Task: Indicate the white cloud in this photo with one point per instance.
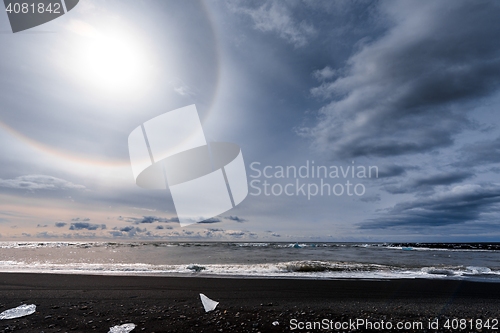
(45, 234)
(274, 16)
(325, 73)
(39, 182)
(181, 87)
(235, 233)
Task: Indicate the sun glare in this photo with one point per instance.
(112, 61)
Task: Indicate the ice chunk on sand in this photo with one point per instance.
(20, 311)
(208, 304)
(125, 328)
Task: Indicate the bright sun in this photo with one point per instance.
(113, 61)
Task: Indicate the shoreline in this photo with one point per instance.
(196, 275)
(291, 275)
(86, 303)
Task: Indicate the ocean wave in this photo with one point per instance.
(276, 245)
(480, 247)
(295, 269)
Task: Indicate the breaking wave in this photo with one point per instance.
(294, 269)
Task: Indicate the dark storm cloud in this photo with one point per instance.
(235, 218)
(442, 179)
(211, 220)
(479, 153)
(370, 198)
(392, 171)
(60, 224)
(161, 227)
(461, 204)
(85, 219)
(128, 231)
(215, 229)
(235, 233)
(427, 183)
(86, 225)
(408, 91)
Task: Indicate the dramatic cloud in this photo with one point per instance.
(408, 91)
(371, 198)
(211, 220)
(39, 182)
(161, 227)
(148, 219)
(442, 179)
(480, 153)
(276, 17)
(410, 87)
(465, 203)
(86, 225)
(391, 171)
(235, 233)
(235, 218)
(127, 231)
(427, 183)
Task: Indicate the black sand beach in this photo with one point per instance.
(79, 303)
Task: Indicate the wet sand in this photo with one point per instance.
(93, 303)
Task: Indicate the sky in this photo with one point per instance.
(316, 94)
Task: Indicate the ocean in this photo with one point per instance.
(478, 262)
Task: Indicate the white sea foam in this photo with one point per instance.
(253, 259)
(416, 247)
(294, 269)
(435, 249)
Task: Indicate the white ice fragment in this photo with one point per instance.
(275, 323)
(20, 311)
(125, 328)
(208, 304)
